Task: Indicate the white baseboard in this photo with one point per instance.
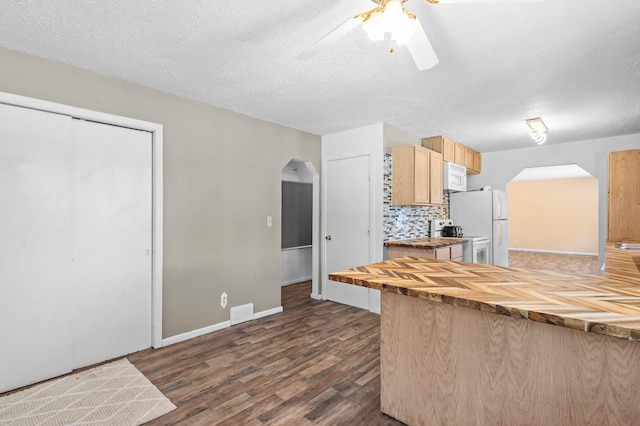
(215, 327)
(195, 333)
(295, 281)
(316, 296)
(554, 252)
(268, 312)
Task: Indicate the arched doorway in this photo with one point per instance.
(300, 225)
(553, 219)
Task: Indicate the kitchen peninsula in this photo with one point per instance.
(480, 344)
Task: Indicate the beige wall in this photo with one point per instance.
(559, 215)
(221, 181)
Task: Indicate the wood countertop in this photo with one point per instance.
(621, 263)
(602, 305)
(425, 243)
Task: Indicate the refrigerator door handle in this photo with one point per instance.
(500, 234)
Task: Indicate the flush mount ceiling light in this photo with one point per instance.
(537, 130)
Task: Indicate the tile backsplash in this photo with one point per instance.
(402, 222)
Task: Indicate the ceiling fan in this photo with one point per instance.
(390, 16)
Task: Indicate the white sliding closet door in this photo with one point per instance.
(112, 229)
(35, 246)
(75, 244)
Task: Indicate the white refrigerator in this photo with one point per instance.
(483, 213)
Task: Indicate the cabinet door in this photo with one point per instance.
(456, 251)
(421, 170)
(477, 162)
(448, 150)
(435, 178)
(402, 175)
(459, 154)
(468, 158)
(443, 253)
(624, 195)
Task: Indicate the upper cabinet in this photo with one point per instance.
(624, 195)
(416, 176)
(455, 152)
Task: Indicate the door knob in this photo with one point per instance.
(328, 237)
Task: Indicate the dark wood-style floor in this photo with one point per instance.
(318, 362)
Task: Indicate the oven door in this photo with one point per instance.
(480, 251)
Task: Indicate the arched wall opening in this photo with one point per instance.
(300, 224)
(554, 209)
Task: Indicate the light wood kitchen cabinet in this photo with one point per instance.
(435, 177)
(477, 164)
(456, 252)
(455, 152)
(468, 157)
(459, 157)
(416, 176)
(453, 252)
(443, 145)
(624, 195)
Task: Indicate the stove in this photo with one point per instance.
(437, 225)
(476, 250)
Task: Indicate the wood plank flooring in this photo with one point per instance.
(318, 362)
(568, 263)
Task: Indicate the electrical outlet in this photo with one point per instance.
(517, 241)
(223, 300)
(269, 222)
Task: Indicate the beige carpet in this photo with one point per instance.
(110, 394)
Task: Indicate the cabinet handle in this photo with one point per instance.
(328, 237)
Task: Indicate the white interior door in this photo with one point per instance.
(35, 246)
(347, 225)
(112, 230)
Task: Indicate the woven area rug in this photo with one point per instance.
(110, 394)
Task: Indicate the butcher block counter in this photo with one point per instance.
(479, 344)
(622, 259)
(432, 248)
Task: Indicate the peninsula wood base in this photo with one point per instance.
(443, 364)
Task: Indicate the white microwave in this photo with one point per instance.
(454, 177)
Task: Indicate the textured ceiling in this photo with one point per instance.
(575, 63)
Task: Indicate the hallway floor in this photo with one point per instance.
(570, 263)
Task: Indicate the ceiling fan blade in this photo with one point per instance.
(421, 50)
(330, 38)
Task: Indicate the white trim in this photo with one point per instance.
(296, 248)
(315, 232)
(295, 281)
(268, 312)
(316, 296)
(578, 253)
(195, 333)
(157, 164)
(215, 327)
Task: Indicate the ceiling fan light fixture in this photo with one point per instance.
(373, 26)
(537, 130)
(390, 17)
